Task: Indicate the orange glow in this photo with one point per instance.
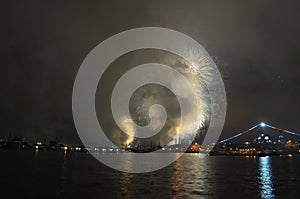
(128, 141)
(290, 155)
(195, 148)
(177, 129)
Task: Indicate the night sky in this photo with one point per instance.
(255, 44)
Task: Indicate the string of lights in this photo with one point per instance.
(262, 125)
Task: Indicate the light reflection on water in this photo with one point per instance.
(126, 182)
(265, 178)
(176, 179)
(79, 175)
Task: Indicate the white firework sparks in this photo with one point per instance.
(194, 72)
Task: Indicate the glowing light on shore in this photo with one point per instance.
(127, 123)
(177, 129)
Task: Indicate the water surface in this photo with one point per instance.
(51, 174)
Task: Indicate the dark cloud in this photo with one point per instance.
(255, 45)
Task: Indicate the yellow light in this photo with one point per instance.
(65, 148)
(39, 143)
(290, 155)
(177, 129)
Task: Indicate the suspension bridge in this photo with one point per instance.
(260, 125)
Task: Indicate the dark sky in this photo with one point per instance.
(255, 45)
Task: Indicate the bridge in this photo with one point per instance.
(260, 125)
